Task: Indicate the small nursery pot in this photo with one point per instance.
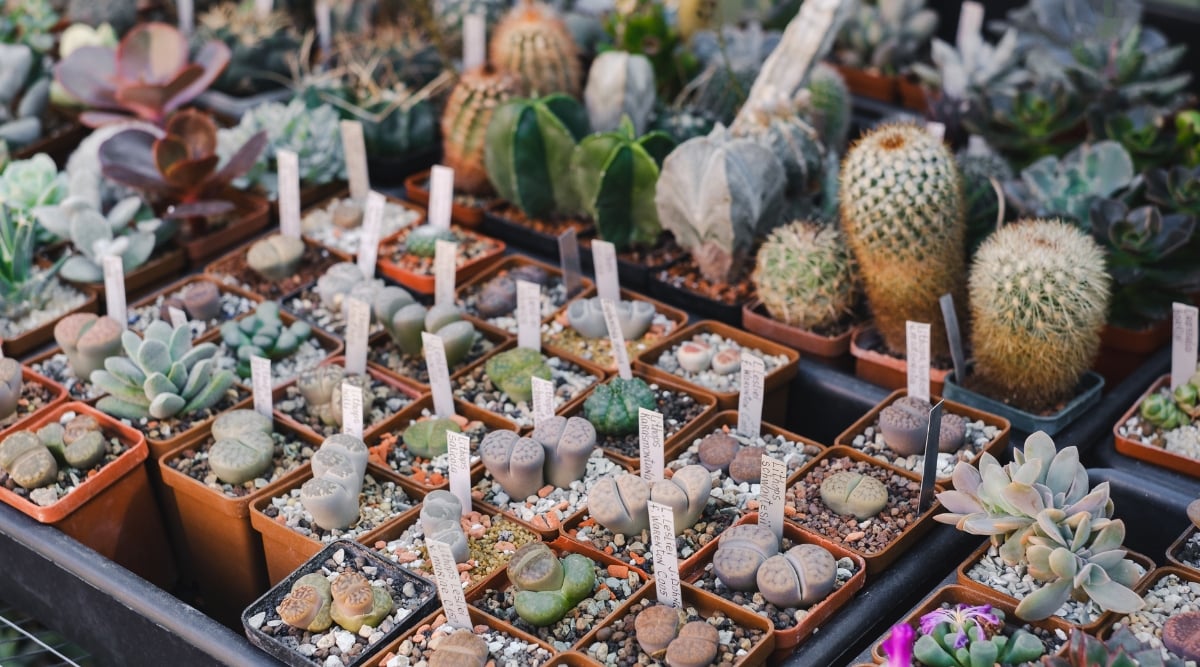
(22, 345)
(333, 347)
(510, 224)
(830, 350)
(57, 395)
(1123, 350)
(1159, 456)
(330, 197)
(266, 605)
(997, 447)
(232, 269)
(1175, 551)
(508, 263)
(112, 511)
(869, 84)
(381, 342)
(885, 370)
(634, 349)
(423, 281)
(729, 419)
(1187, 576)
(786, 640)
(250, 217)
(1087, 394)
(572, 659)
(682, 285)
(416, 190)
(477, 618)
(775, 384)
(211, 333)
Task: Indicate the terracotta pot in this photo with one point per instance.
(423, 282)
(57, 395)
(1188, 575)
(20, 346)
(42, 357)
(912, 94)
(729, 419)
(997, 447)
(253, 214)
(382, 341)
(901, 543)
(113, 511)
(1157, 455)
(828, 350)
(1104, 621)
(572, 659)
(869, 84)
(1123, 351)
(775, 384)
(509, 263)
(416, 190)
(232, 269)
(681, 284)
(678, 318)
(1173, 552)
(211, 333)
(887, 371)
(787, 640)
(477, 618)
(954, 595)
(224, 550)
(344, 193)
(59, 144)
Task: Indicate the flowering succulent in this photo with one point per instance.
(970, 636)
(898, 646)
(295, 127)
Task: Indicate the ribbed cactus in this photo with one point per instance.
(805, 275)
(528, 155)
(620, 85)
(902, 211)
(979, 165)
(534, 44)
(1039, 297)
(826, 103)
(773, 123)
(465, 122)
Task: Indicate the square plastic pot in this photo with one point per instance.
(477, 618)
(211, 333)
(227, 270)
(252, 215)
(1156, 455)
(1087, 394)
(416, 190)
(829, 350)
(423, 282)
(885, 370)
(1174, 555)
(634, 349)
(57, 395)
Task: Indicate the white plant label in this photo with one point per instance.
(368, 246)
(358, 325)
(604, 257)
(114, 288)
(445, 573)
(445, 259)
(355, 149)
(186, 11)
(260, 382)
(352, 410)
(936, 130)
(474, 40)
(650, 440)
(620, 354)
(458, 446)
(288, 164)
(970, 22)
(1183, 343)
(917, 343)
(568, 257)
(529, 315)
(439, 374)
(750, 399)
(178, 317)
(441, 195)
(324, 25)
(666, 558)
(770, 495)
(263, 8)
(543, 400)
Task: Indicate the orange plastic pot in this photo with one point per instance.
(416, 189)
(423, 281)
(1159, 456)
(887, 371)
(381, 341)
(343, 193)
(728, 419)
(57, 395)
(825, 349)
(869, 84)
(478, 618)
(20, 346)
(233, 269)
(505, 265)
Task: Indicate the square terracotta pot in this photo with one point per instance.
(1159, 456)
(421, 280)
(416, 189)
(346, 251)
(508, 263)
(210, 329)
(19, 347)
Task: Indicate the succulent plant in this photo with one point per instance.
(686, 493)
(800, 577)
(510, 372)
(1175, 189)
(275, 257)
(965, 70)
(88, 340)
(586, 317)
(854, 494)
(263, 334)
(344, 281)
(696, 356)
(160, 376)
(243, 448)
(548, 587)
(30, 183)
(422, 240)
(620, 85)
(1120, 650)
(907, 231)
(1163, 411)
(905, 422)
(568, 444)
(148, 75)
(661, 633)
(331, 496)
(461, 648)
(826, 104)
(682, 124)
(24, 287)
(1145, 132)
(533, 43)
(1053, 187)
(619, 503)
(498, 297)
(741, 551)
(321, 388)
(983, 170)
(295, 126)
(259, 46)
(427, 438)
(804, 275)
(642, 28)
(11, 382)
(887, 36)
(404, 319)
(1034, 339)
(127, 231)
(613, 406)
(465, 123)
(515, 463)
(24, 93)
(528, 155)
(746, 466)
(614, 175)
(441, 521)
(773, 122)
(717, 194)
(28, 22)
(201, 300)
(972, 636)
(308, 603)
(356, 603)
(729, 62)
(79, 443)
(27, 461)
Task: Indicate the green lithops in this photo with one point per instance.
(615, 174)
(357, 603)
(405, 320)
(613, 406)
(805, 277)
(1039, 299)
(308, 604)
(243, 448)
(854, 494)
(547, 587)
(528, 155)
(79, 444)
(511, 371)
(422, 241)
(427, 438)
(903, 215)
(263, 334)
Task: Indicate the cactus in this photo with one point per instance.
(259, 46)
(1039, 295)
(907, 230)
(1053, 187)
(321, 388)
(586, 317)
(615, 174)
(826, 104)
(567, 444)
(331, 496)
(800, 577)
(11, 382)
(533, 43)
(717, 194)
(422, 241)
(87, 340)
(1123, 648)
(405, 320)
(161, 376)
(515, 463)
(307, 604)
(805, 276)
(854, 494)
(730, 63)
(982, 169)
(741, 551)
(528, 155)
(683, 124)
(620, 85)
(886, 36)
(296, 126)
(243, 448)
(465, 123)
(441, 514)
(613, 407)
(547, 587)
(357, 603)
(971, 636)
(510, 372)
(263, 334)
(427, 438)
(275, 257)
(774, 123)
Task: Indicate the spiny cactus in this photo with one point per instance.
(826, 103)
(465, 123)
(161, 376)
(1039, 295)
(533, 43)
(980, 167)
(804, 275)
(902, 212)
(528, 154)
(613, 407)
(260, 45)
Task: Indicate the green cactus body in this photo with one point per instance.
(511, 372)
(528, 155)
(534, 44)
(615, 175)
(804, 276)
(828, 105)
(465, 124)
(613, 407)
(982, 168)
(259, 46)
(902, 213)
(1039, 296)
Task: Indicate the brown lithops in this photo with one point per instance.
(718, 450)
(696, 646)
(202, 301)
(741, 551)
(655, 628)
(904, 424)
(78, 427)
(852, 493)
(307, 604)
(348, 214)
(516, 463)
(1181, 635)
(462, 648)
(746, 466)
(801, 577)
(357, 603)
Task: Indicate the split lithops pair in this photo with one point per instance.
(331, 496)
(32, 460)
(344, 281)
(722, 452)
(275, 257)
(315, 603)
(548, 587)
(243, 447)
(556, 452)
(696, 356)
(88, 340)
(427, 438)
(263, 334)
(748, 559)
(619, 503)
(200, 300)
(441, 521)
(854, 494)
(405, 320)
(511, 371)
(662, 633)
(904, 422)
(321, 388)
(586, 317)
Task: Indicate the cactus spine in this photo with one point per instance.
(902, 211)
(804, 275)
(1039, 298)
(535, 45)
(465, 122)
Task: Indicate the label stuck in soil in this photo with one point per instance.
(650, 441)
(620, 354)
(933, 434)
(529, 315)
(439, 374)
(262, 8)
(543, 400)
(441, 195)
(445, 574)
(458, 446)
(568, 255)
(604, 257)
(1183, 343)
(322, 13)
(368, 246)
(178, 317)
(666, 557)
(186, 11)
(114, 288)
(355, 149)
(750, 398)
(358, 326)
(444, 259)
(474, 32)
(260, 382)
(770, 495)
(917, 354)
(288, 164)
(352, 410)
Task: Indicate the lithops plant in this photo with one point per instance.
(356, 603)
(331, 496)
(696, 356)
(619, 503)
(662, 634)
(275, 257)
(547, 587)
(686, 493)
(515, 463)
(343, 281)
(27, 461)
(243, 448)
(465, 122)
(405, 320)
(620, 85)
(263, 334)
(568, 443)
(511, 371)
(805, 277)
(78, 444)
(427, 438)
(586, 317)
(613, 406)
(441, 514)
(88, 340)
(718, 450)
(321, 388)
(202, 301)
(462, 648)
(307, 604)
(741, 551)
(854, 494)
(499, 296)
(746, 466)
(800, 577)
(11, 382)
(530, 143)
(533, 43)
(904, 422)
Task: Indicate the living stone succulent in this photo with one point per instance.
(613, 406)
(343, 281)
(800, 577)
(404, 319)
(548, 587)
(32, 460)
(686, 493)
(27, 461)
(533, 43)
(619, 503)
(321, 388)
(243, 448)
(904, 422)
(586, 317)
(307, 604)
(656, 627)
(275, 257)
(567, 443)
(499, 296)
(88, 340)
(746, 466)
(263, 334)
(11, 382)
(461, 648)
(202, 301)
(160, 376)
(696, 356)
(718, 450)
(662, 634)
(515, 463)
(79, 443)
(357, 603)
(465, 121)
(422, 241)
(854, 494)
(427, 438)
(804, 275)
(511, 371)
(331, 496)
(441, 514)
(741, 551)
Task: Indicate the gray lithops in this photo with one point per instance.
(275, 257)
(331, 496)
(405, 321)
(342, 279)
(11, 382)
(321, 388)
(515, 463)
(800, 577)
(687, 493)
(567, 443)
(441, 521)
(852, 493)
(243, 448)
(619, 503)
(904, 424)
(741, 551)
(586, 317)
(27, 461)
(746, 466)
(88, 340)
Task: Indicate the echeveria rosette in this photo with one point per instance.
(27, 184)
(1143, 131)
(1175, 189)
(898, 647)
(1024, 117)
(1065, 188)
(296, 127)
(28, 22)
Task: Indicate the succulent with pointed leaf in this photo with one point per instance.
(887, 35)
(24, 287)
(1027, 115)
(1122, 649)
(96, 236)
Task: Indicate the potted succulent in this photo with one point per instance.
(579, 330)
(25, 393)
(324, 304)
(205, 302)
(259, 48)
(1158, 428)
(336, 223)
(84, 341)
(293, 346)
(515, 647)
(312, 403)
(1185, 552)
(274, 266)
(490, 298)
(878, 42)
(407, 256)
(1170, 632)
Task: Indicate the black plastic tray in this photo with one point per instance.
(543, 246)
(702, 306)
(390, 171)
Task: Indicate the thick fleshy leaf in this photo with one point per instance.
(1031, 472)
(1061, 473)
(243, 160)
(1024, 498)
(128, 158)
(1111, 537)
(169, 151)
(151, 53)
(1109, 560)
(213, 57)
(958, 502)
(1093, 503)
(1050, 528)
(1043, 602)
(1039, 446)
(966, 478)
(88, 74)
(995, 525)
(196, 130)
(101, 118)
(1063, 563)
(149, 101)
(200, 209)
(1110, 595)
(1083, 532)
(192, 175)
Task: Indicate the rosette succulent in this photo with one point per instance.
(305, 130)
(28, 184)
(28, 22)
(1054, 187)
(887, 35)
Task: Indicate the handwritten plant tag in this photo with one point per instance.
(543, 400)
(568, 257)
(474, 40)
(439, 374)
(260, 381)
(620, 353)
(114, 288)
(529, 315)
(1183, 343)
(771, 494)
(288, 164)
(750, 399)
(355, 149)
(358, 326)
(666, 557)
(445, 264)
(458, 446)
(445, 574)
(368, 246)
(604, 257)
(650, 441)
(441, 196)
(352, 409)
(917, 354)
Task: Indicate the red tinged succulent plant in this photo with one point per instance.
(147, 76)
(178, 167)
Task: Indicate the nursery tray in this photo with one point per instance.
(522, 236)
(1088, 394)
(392, 170)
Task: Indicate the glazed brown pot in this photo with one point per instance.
(1156, 455)
(509, 263)
(227, 270)
(869, 84)
(1122, 351)
(887, 371)
(634, 349)
(477, 618)
(21, 346)
(423, 282)
(416, 189)
(252, 215)
(829, 350)
(57, 395)
(997, 447)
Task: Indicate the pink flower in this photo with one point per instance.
(898, 646)
(961, 619)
